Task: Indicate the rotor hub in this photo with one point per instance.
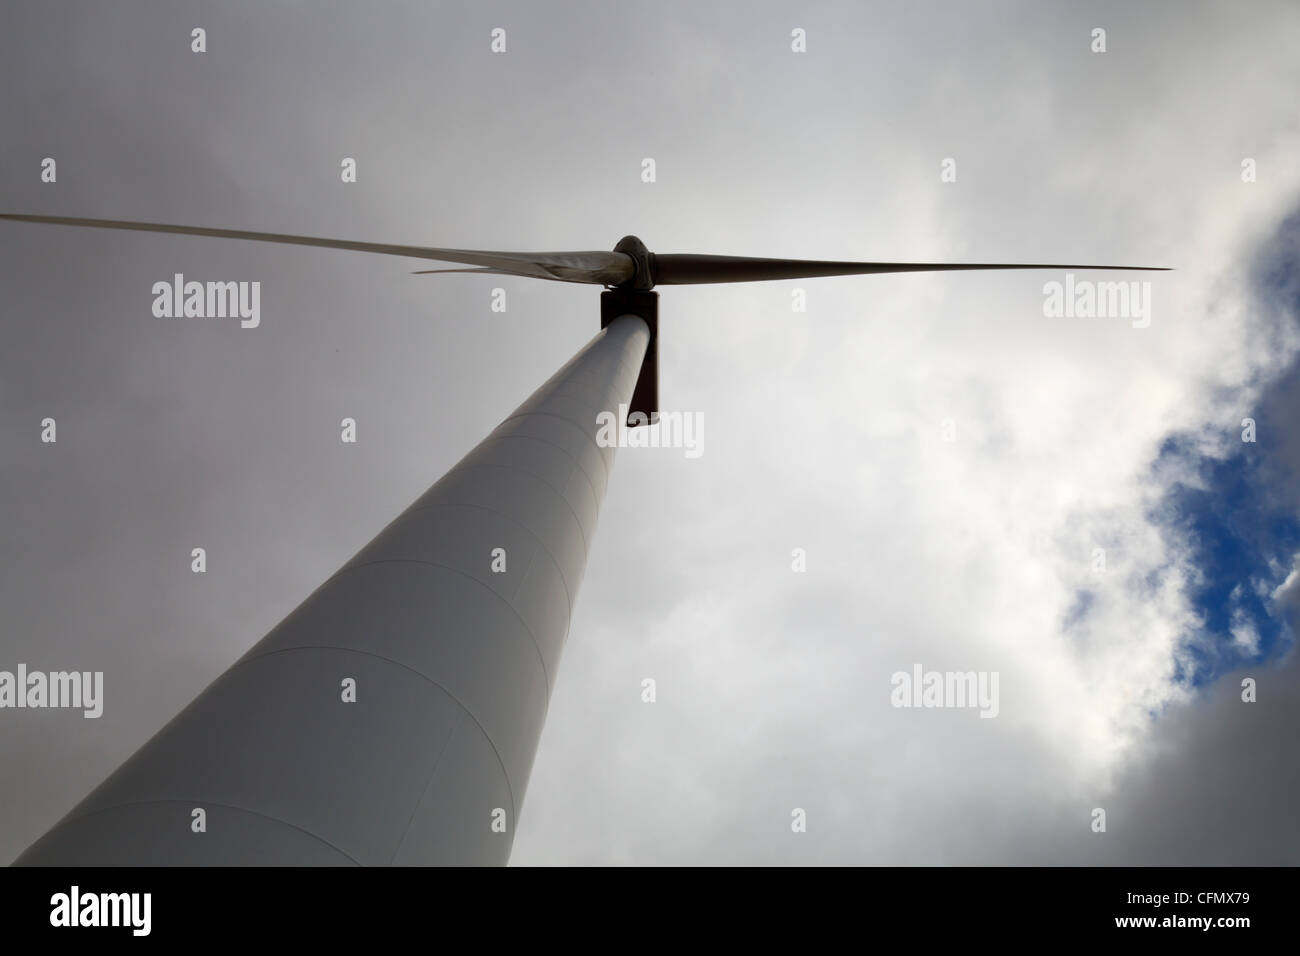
(642, 258)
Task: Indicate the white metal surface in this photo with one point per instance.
(453, 666)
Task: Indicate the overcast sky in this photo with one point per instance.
(1120, 688)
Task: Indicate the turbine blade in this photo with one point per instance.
(692, 269)
(597, 268)
(481, 270)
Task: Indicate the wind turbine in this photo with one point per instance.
(392, 718)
